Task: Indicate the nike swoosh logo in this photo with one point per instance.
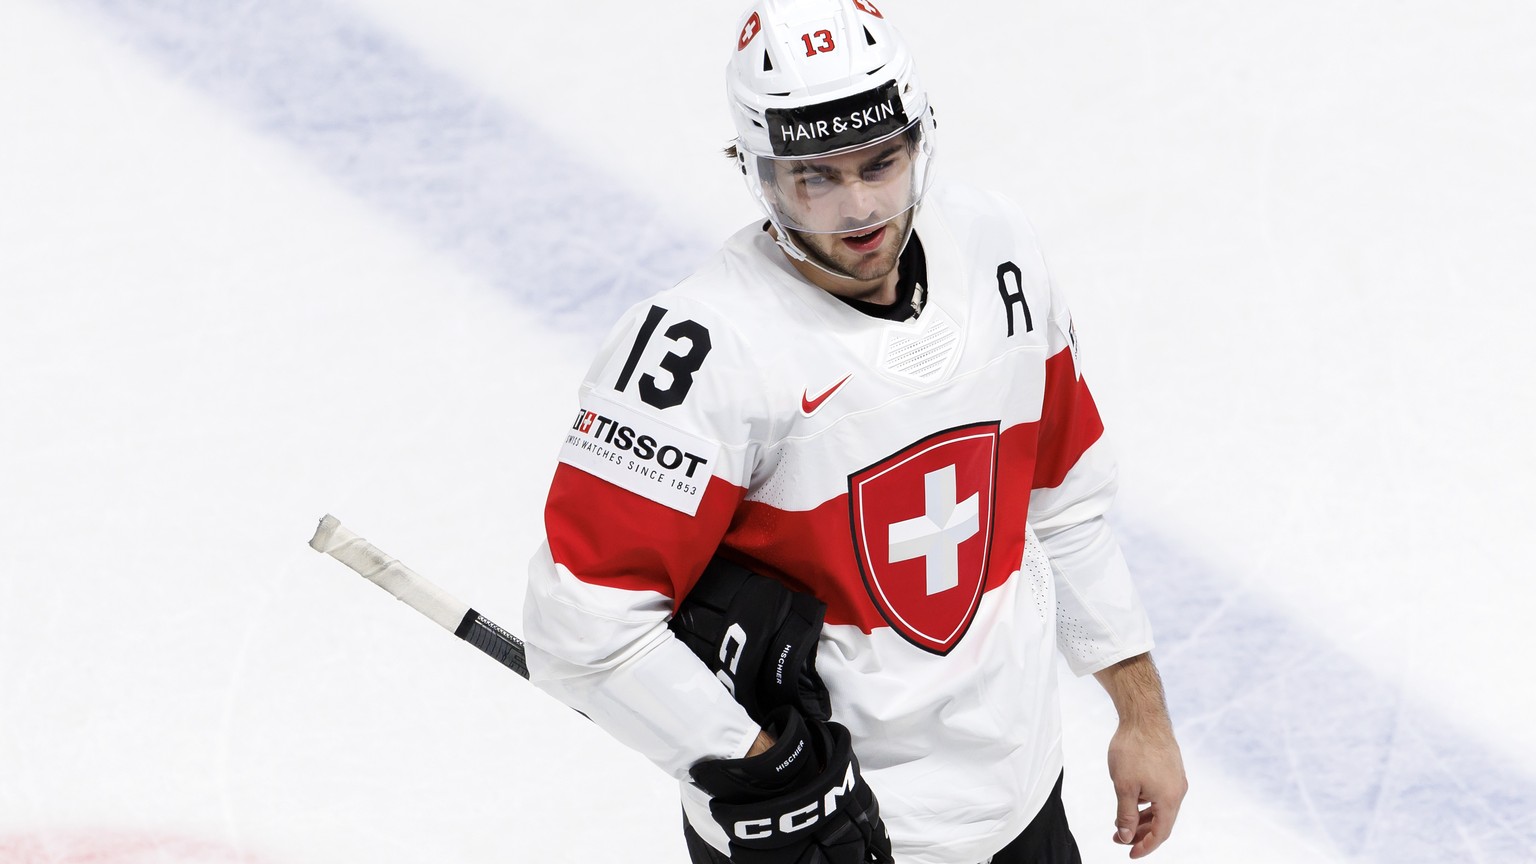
(809, 404)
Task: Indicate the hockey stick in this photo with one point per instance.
(419, 593)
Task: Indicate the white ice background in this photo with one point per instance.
(268, 259)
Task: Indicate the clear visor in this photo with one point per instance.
(849, 191)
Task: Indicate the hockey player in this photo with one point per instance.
(868, 412)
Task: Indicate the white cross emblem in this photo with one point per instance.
(936, 535)
(748, 32)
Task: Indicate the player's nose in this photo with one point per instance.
(858, 204)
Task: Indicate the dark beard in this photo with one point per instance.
(814, 252)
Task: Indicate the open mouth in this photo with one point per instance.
(866, 242)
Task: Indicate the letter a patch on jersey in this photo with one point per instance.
(922, 524)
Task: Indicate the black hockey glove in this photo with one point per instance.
(758, 637)
(801, 802)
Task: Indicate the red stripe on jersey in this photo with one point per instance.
(1069, 422)
(812, 550)
(609, 536)
(808, 550)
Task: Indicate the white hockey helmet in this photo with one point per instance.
(834, 131)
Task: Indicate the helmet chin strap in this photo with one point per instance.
(786, 242)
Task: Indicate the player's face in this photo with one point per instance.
(850, 212)
(845, 193)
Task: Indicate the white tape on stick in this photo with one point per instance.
(333, 538)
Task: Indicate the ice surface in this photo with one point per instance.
(262, 261)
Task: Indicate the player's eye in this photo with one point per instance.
(814, 183)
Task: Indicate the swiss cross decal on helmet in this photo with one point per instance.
(812, 81)
(749, 32)
(868, 7)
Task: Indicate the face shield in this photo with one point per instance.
(848, 190)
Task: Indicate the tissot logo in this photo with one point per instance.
(598, 430)
(922, 523)
(631, 448)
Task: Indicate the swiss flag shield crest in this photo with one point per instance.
(922, 525)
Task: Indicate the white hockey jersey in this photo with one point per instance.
(939, 483)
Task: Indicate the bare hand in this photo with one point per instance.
(1148, 774)
(1144, 761)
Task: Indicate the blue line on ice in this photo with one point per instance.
(1330, 746)
(472, 177)
(1333, 748)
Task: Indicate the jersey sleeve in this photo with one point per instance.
(651, 470)
(1100, 617)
